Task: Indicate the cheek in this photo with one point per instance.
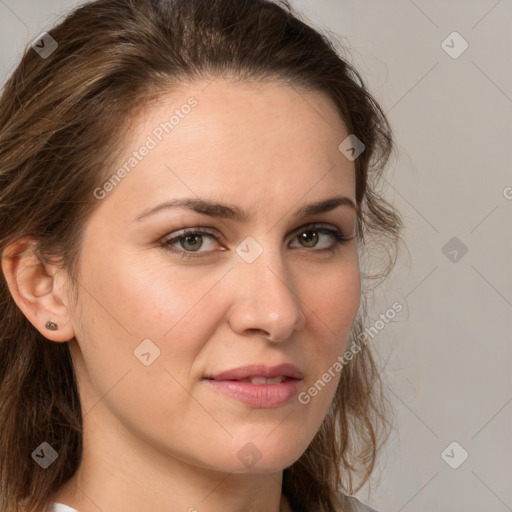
(128, 303)
(143, 296)
(133, 301)
(336, 299)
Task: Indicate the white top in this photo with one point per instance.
(60, 507)
(358, 506)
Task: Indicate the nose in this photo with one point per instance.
(265, 300)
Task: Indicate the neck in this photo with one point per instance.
(137, 478)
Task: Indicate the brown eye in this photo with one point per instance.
(190, 242)
(311, 241)
(309, 237)
(194, 244)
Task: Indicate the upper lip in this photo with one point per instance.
(258, 370)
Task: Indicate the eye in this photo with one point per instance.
(310, 236)
(191, 240)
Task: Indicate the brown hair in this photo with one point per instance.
(60, 118)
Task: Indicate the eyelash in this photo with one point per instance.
(339, 237)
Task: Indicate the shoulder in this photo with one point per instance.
(352, 504)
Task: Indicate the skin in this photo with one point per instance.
(157, 437)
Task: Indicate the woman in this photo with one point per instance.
(187, 191)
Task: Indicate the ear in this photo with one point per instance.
(39, 290)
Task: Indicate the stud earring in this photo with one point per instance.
(51, 325)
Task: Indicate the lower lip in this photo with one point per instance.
(258, 396)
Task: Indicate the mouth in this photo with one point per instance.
(257, 386)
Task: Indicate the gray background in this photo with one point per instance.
(448, 353)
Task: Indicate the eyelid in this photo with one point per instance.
(215, 234)
(191, 230)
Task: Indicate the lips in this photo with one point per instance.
(259, 374)
(258, 386)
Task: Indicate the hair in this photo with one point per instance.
(63, 122)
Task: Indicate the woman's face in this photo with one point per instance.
(157, 314)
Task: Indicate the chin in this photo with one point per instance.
(260, 454)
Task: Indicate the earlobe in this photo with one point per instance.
(39, 290)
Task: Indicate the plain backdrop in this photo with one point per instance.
(441, 70)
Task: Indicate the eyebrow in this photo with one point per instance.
(233, 212)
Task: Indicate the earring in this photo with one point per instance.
(51, 325)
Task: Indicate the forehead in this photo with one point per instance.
(234, 140)
(244, 115)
